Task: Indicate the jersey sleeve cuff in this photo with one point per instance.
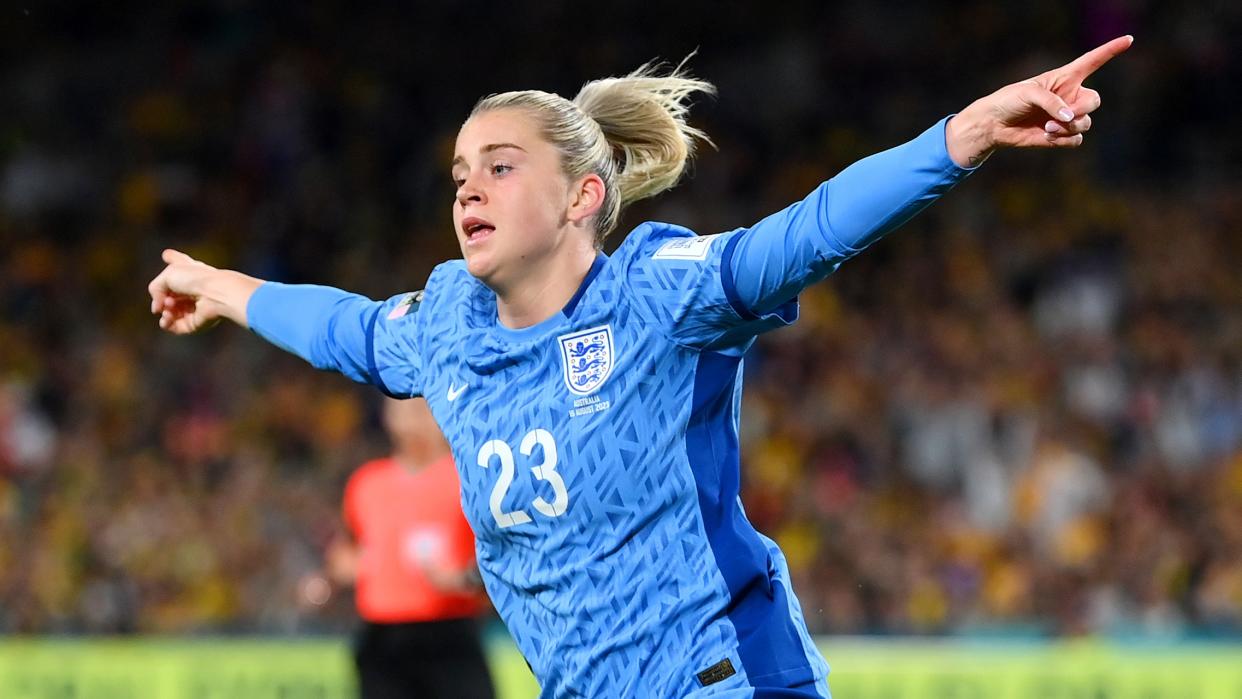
(263, 316)
(949, 167)
(785, 314)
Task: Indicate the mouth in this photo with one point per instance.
(476, 230)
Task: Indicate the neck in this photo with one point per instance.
(416, 457)
(545, 289)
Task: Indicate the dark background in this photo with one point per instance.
(1020, 414)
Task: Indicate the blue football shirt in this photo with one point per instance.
(598, 449)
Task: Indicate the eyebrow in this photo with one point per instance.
(488, 149)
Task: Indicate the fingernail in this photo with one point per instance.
(1065, 114)
(1051, 127)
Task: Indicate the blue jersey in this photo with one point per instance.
(598, 449)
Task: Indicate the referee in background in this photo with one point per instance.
(410, 557)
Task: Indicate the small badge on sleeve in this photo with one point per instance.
(685, 248)
(719, 672)
(405, 305)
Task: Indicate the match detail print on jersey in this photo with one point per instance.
(587, 356)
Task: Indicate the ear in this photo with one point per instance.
(586, 197)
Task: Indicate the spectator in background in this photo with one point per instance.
(107, 467)
(411, 561)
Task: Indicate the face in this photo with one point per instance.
(512, 197)
(410, 421)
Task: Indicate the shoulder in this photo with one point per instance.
(450, 272)
(445, 470)
(650, 238)
(445, 463)
(448, 284)
(667, 244)
(447, 281)
(368, 473)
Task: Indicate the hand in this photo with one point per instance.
(342, 559)
(189, 295)
(1052, 109)
(462, 582)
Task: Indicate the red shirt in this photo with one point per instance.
(402, 522)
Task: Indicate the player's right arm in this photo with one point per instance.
(189, 295)
(330, 328)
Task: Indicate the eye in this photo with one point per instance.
(499, 169)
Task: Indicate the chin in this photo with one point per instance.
(480, 267)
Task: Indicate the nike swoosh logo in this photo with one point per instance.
(455, 391)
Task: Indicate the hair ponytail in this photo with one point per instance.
(643, 118)
(631, 131)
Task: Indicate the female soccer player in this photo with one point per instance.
(591, 401)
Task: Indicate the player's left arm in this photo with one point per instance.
(796, 247)
(342, 556)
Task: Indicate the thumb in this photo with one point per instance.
(1048, 101)
(171, 256)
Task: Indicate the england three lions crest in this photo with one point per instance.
(588, 359)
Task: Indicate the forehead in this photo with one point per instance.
(497, 126)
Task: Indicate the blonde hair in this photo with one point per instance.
(631, 131)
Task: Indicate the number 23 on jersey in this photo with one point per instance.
(546, 471)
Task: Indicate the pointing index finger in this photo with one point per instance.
(1091, 61)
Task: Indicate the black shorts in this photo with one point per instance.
(422, 659)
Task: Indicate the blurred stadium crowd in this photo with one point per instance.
(1022, 413)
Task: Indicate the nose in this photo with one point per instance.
(469, 192)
